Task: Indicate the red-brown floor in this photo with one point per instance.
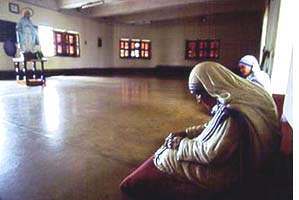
(78, 137)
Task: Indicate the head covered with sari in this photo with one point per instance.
(240, 95)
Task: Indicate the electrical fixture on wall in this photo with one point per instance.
(99, 42)
(92, 4)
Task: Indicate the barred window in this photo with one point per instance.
(202, 49)
(134, 48)
(66, 44)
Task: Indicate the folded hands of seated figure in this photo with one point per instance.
(172, 141)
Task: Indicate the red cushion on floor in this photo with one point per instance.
(147, 182)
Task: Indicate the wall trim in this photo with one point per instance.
(7, 75)
(161, 70)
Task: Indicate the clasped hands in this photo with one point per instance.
(172, 141)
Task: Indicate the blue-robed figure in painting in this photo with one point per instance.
(27, 33)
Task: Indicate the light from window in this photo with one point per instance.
(46, 40)
(134, 48)
(284, 49)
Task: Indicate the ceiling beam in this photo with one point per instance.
(135, 6)
(70, 4)
(188, 11)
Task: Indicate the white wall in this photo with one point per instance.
(137, 32)
(89, 30)
(238, 34)
(283, 47)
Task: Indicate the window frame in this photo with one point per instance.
(202, 49)
(64, 47)
(134, 48)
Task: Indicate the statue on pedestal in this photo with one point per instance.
(28, 37)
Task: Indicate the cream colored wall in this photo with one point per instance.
(239, 34)
(89, 30)
(137, 32)
(167, 43)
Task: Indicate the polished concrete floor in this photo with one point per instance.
(78, 137)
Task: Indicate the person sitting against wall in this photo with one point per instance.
(238, 142)
(250, 69)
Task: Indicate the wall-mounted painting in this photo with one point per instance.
(14, 8)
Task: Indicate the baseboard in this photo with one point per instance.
(177, 71)
(7, 75)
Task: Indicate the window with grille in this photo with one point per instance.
(202, 49)
(134, 48)
(66, 44)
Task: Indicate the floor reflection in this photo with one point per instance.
(2, 128)
(134, 91)
(78, 137)
(51, 108)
